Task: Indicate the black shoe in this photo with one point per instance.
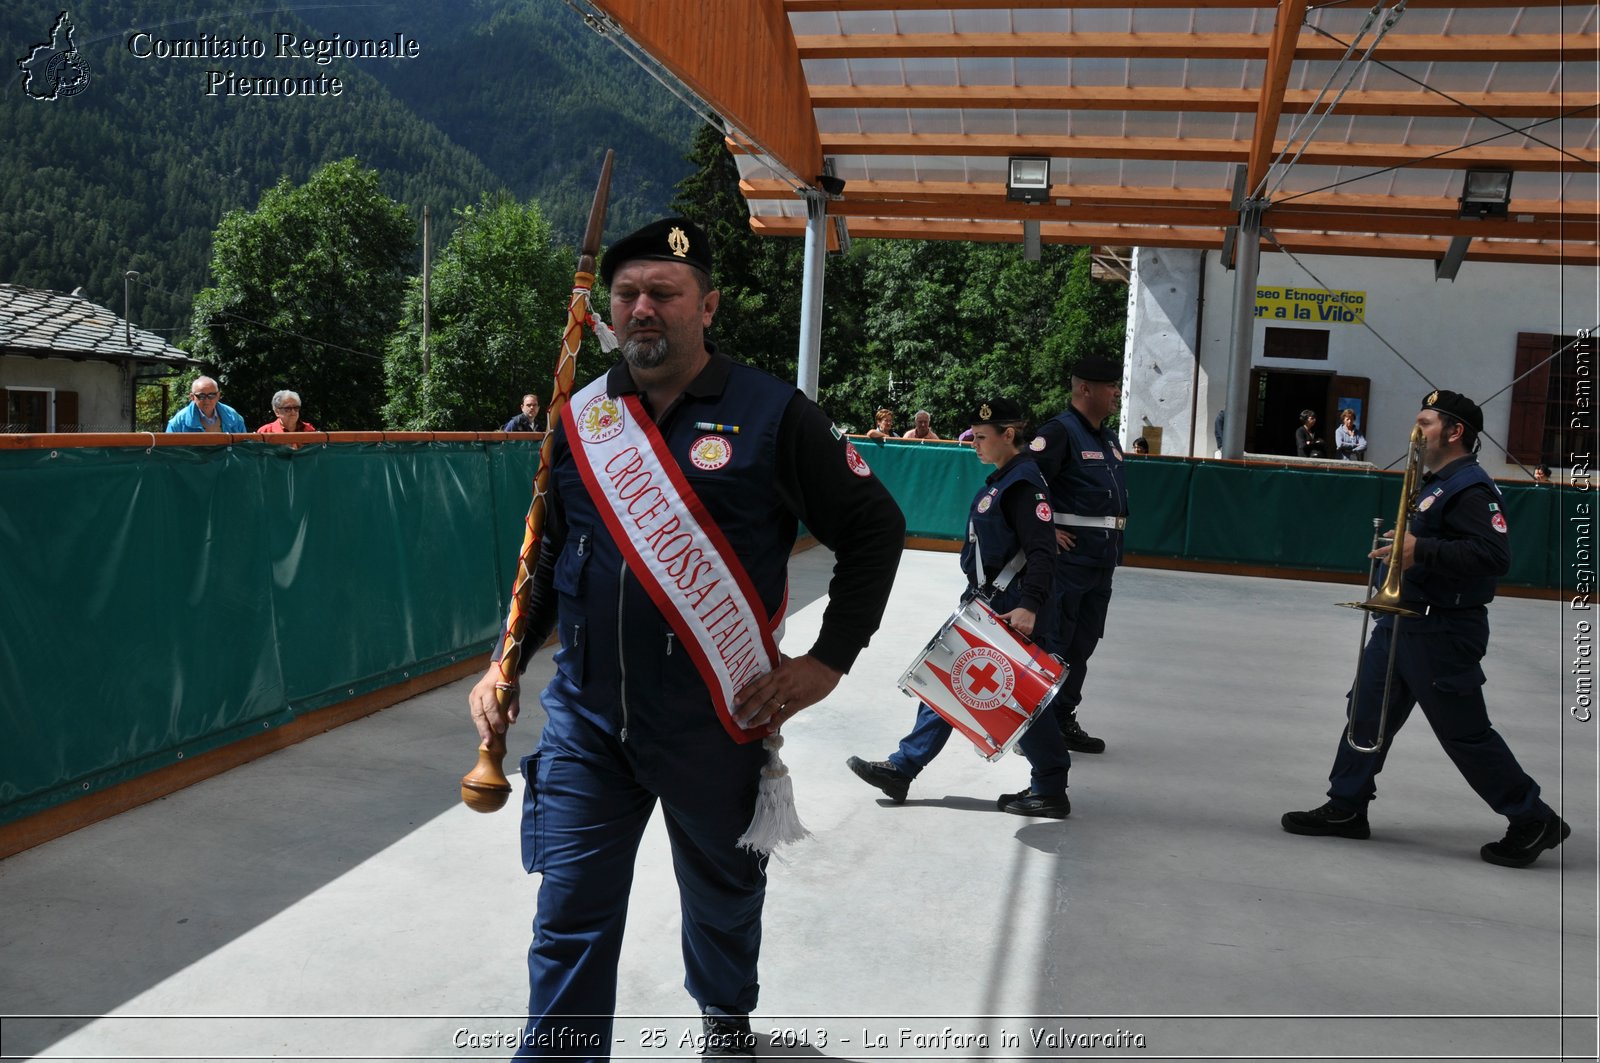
(1028, 803)
(1078, 740)
(885, 776)
(724, 1035)
(1328, 821)
(1525, 841)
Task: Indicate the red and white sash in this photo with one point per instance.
(672, 545)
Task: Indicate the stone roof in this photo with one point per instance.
(44, 324)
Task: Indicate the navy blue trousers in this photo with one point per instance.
(1437, 667)
(1042, 744)
(1079, 598)
(587, 800)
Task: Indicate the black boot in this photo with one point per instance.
(1328, 821)
(1078, 740)
(1525, 841)
(885, 776)
(727, 1035)
(1028, 803)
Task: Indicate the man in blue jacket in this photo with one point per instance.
(205, 413)
(1456, 546)
(1082, 462)
(677, 482)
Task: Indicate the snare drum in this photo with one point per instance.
(984, 678)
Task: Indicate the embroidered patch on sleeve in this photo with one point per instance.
(858, 465)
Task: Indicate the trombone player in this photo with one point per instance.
(1452, 552)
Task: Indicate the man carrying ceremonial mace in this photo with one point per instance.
(676, 483)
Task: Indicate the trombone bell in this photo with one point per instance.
(1384, 604)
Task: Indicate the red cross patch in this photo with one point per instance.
(857, 463)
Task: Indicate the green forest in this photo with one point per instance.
(278, 239)
(136, 171)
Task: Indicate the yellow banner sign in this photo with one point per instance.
(1311, 304)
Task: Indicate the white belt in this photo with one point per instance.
(1072, 520)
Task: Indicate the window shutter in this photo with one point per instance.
(67, 411)
(1525, 438)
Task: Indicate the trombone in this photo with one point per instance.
(1387, 598)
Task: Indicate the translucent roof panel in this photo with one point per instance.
(1144, 108)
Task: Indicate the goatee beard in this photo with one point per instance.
(641, 354)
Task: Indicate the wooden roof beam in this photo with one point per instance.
(1210, 100)
(1170, 215)
(712, 46)
(1269, 104)
(1397, 47)
(1533, 253)
(810, 6)
(934, 197)
(1206, 149)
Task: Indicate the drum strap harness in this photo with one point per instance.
(1003, 578)
(685, 563)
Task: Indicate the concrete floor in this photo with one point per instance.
(335, 900)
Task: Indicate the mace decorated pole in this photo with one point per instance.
(485, 788)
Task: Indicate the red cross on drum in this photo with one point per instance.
(985, 679)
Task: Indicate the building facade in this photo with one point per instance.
(1374, 335)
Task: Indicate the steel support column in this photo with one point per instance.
(1247, 269)
(811, 293)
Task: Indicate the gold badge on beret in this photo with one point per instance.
(678, 241)
(1432, 398)
(985, 412)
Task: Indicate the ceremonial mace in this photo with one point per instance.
(485, 788)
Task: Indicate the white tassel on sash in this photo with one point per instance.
(776, 823)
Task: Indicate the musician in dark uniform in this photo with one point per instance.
(1456, 546)
(1083, 465)
(664, 568)
(1008, 556)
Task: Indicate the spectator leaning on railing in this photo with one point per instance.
(921, 427)
(205, 413)
(286, 404)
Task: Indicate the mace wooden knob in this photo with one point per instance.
(485, 788)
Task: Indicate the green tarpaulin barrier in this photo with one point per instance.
(159, 602)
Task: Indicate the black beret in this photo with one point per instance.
(996, 411)
(1456, 405)
(1097, 370)
(667, 240)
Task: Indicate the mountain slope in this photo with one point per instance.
(135, 171)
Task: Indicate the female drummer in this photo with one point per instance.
(1009, 517)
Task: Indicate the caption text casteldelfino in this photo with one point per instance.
(321, 51)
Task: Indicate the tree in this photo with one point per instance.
(908, 324)
(499, 297)
(953, 323)
(307, 289)
(758, 318)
